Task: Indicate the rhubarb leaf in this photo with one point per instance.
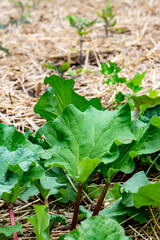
(40, 222)
(132, 186)
(12, 139)
(7, 232)
(60, 95)
(99, 227)
(148, 195)
(147, 142)
(84, 139)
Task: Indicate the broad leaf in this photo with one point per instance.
(12, 139)
(99, 227)
(149, 113)
(21, 159)
(132, 186)
(7, 232)
(148, 195)
(87, 138)
(60, 95)
(28, 192)
(147, 142)
(143, 102)
(48, 186)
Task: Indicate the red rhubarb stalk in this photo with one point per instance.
(76, 210)
(11, 213)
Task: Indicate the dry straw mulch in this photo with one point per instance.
(50, 38)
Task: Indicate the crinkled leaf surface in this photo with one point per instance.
(48, 186)
(6, 232)
(147, 142)
(55, 99)
(12, 139)
(66, 193)
(97, 228)
(28, 192)
(87, 138)
(21, 159)
(148, 195)
(25, 164)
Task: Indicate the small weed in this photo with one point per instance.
(108, 17)
(83, 28)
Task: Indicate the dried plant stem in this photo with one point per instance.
(100, 201)
(11, 213)
(78, 200)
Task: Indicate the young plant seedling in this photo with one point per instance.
(108, 17)
(83, 28)
(110, 71)
(43, 222)
(58, 69)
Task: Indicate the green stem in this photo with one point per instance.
(76, 210)
(111, 96)
(152, 164)
(81, 55)
(101, 199)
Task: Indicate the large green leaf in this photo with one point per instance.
(149, 113)
(7, 232)
(48, 186)
(85, 139)
(12, 139)
(132, 186)
(47, 132)
(25, 164)
(97, 228)
(147, 142)
(143, 102)
(148, 195)
(55, 99)
(21, 159)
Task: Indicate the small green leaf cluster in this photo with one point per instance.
(59, 69)
(83, 27)
(110, 71)
(108, 16)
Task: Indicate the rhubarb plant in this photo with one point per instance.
(43, 222)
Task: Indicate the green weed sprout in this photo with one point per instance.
(110, 71)
(83, 28)
(4, 49)
(108, 17)
(58, 69)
